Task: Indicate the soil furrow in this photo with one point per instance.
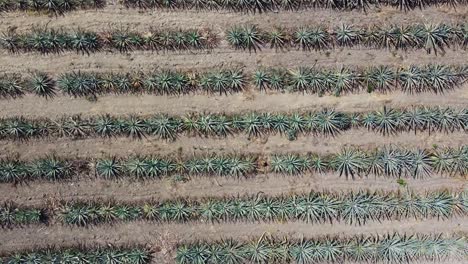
(162, 238)
(240, 144)
(247, 101)
(128, 190)
(117, 15)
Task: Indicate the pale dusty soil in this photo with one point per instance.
(220, 57)
(241, 102)
(128, 190)
(161, 237)
(239, 144)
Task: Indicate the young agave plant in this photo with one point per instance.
(316, 38)
(11, 86)
(109, 168)
(347, 36)
(42, 85)
(85, 42)
(278, 38)
(435, 37)
(11, 41)
(125, 41)
(350, 162)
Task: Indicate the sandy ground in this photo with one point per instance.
(161, 237)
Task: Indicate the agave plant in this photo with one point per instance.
(42, 85)
(347, 36)
(11, 86)
(435, 37)
(350, 162)
(109, 168)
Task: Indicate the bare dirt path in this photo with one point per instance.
(240, 144)
(223, 56)
(128, 190)
(247, 101)
(162, 238)
(117, 15)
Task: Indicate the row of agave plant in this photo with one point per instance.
(124, 40)
(161, 82)
(103, 255)
(392, 248)
(327, 122)
(12, 215)
(411, 79)
(276, 5)
(349, 162)
(54, 7)
(430, 37)
(354, 208)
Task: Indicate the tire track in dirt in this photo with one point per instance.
(163, 238)
(241, 102)
(239, 144)
(142, 20)
(128, 190)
